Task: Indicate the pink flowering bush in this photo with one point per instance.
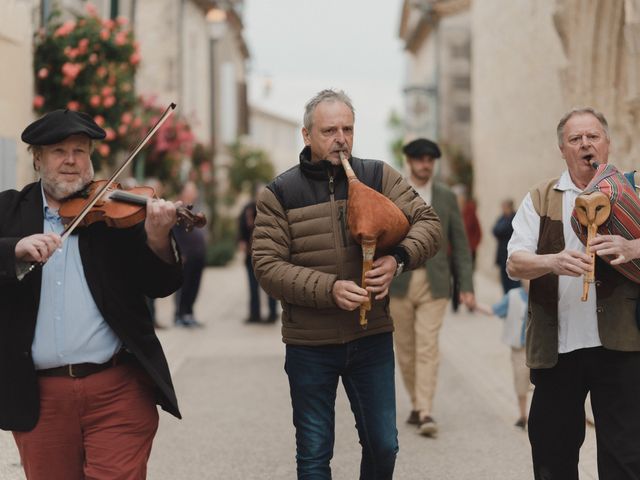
(88, 64)
(166, 151)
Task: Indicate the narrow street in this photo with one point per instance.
(233, 394)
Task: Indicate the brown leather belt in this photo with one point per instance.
(81, 370)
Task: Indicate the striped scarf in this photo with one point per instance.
(625, 213)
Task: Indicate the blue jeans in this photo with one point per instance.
(366, 366)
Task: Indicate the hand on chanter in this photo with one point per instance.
(570, 262)
(348, 295)
(379, 278)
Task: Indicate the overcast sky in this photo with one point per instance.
(304, 46)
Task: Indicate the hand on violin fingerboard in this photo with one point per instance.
(161, 217)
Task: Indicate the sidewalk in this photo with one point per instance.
(233, 394)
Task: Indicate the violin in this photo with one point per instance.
(120, 216)
(120, 208)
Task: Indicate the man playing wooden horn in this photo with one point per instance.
(576, 347)
(419, 299)
(304, 255)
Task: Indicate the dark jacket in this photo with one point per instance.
(301, 246)
(438, 268)
(120, 270)
(503, 230)
(246, 223)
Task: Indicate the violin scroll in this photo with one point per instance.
(188, 219)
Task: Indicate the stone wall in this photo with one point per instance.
(517, 102)
(157, 27)
(196, 74)
(276, 135)
(16, 85)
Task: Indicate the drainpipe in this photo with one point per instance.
(180, 65)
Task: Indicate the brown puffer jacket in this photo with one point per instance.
(301, 246)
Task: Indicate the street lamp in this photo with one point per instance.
(217, 20)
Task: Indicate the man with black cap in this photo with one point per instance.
(419, 298)
(81, 369)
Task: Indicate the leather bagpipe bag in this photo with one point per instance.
(625, 213)
(372, 216)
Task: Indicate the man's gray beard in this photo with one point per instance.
(62, 190)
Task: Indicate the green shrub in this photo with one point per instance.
(220, 253)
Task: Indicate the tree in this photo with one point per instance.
(166, 151)
(249, 167)
(461, 168)
(396, 126)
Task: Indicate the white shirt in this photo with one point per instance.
(577, 320)
(425, 191)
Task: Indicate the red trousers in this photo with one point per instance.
(93, 428)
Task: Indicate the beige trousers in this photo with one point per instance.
(417, 319)
(520, 371)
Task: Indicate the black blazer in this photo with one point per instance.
(120, 269)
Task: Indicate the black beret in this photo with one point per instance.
(55, 126)
(421, 147)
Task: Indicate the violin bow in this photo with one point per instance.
(23, 268)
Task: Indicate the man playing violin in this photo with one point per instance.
(81, 369)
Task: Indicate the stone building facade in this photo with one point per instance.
(193, 52)
(533, 61)
(517, 102)
(279, 136)
(437, 39)
(16, 84)
(540, 59)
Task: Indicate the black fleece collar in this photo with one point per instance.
(321, 170)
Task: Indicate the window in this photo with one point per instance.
(461, 82)
(462, 50)
(462, 114)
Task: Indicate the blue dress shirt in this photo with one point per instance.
(70, 328)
